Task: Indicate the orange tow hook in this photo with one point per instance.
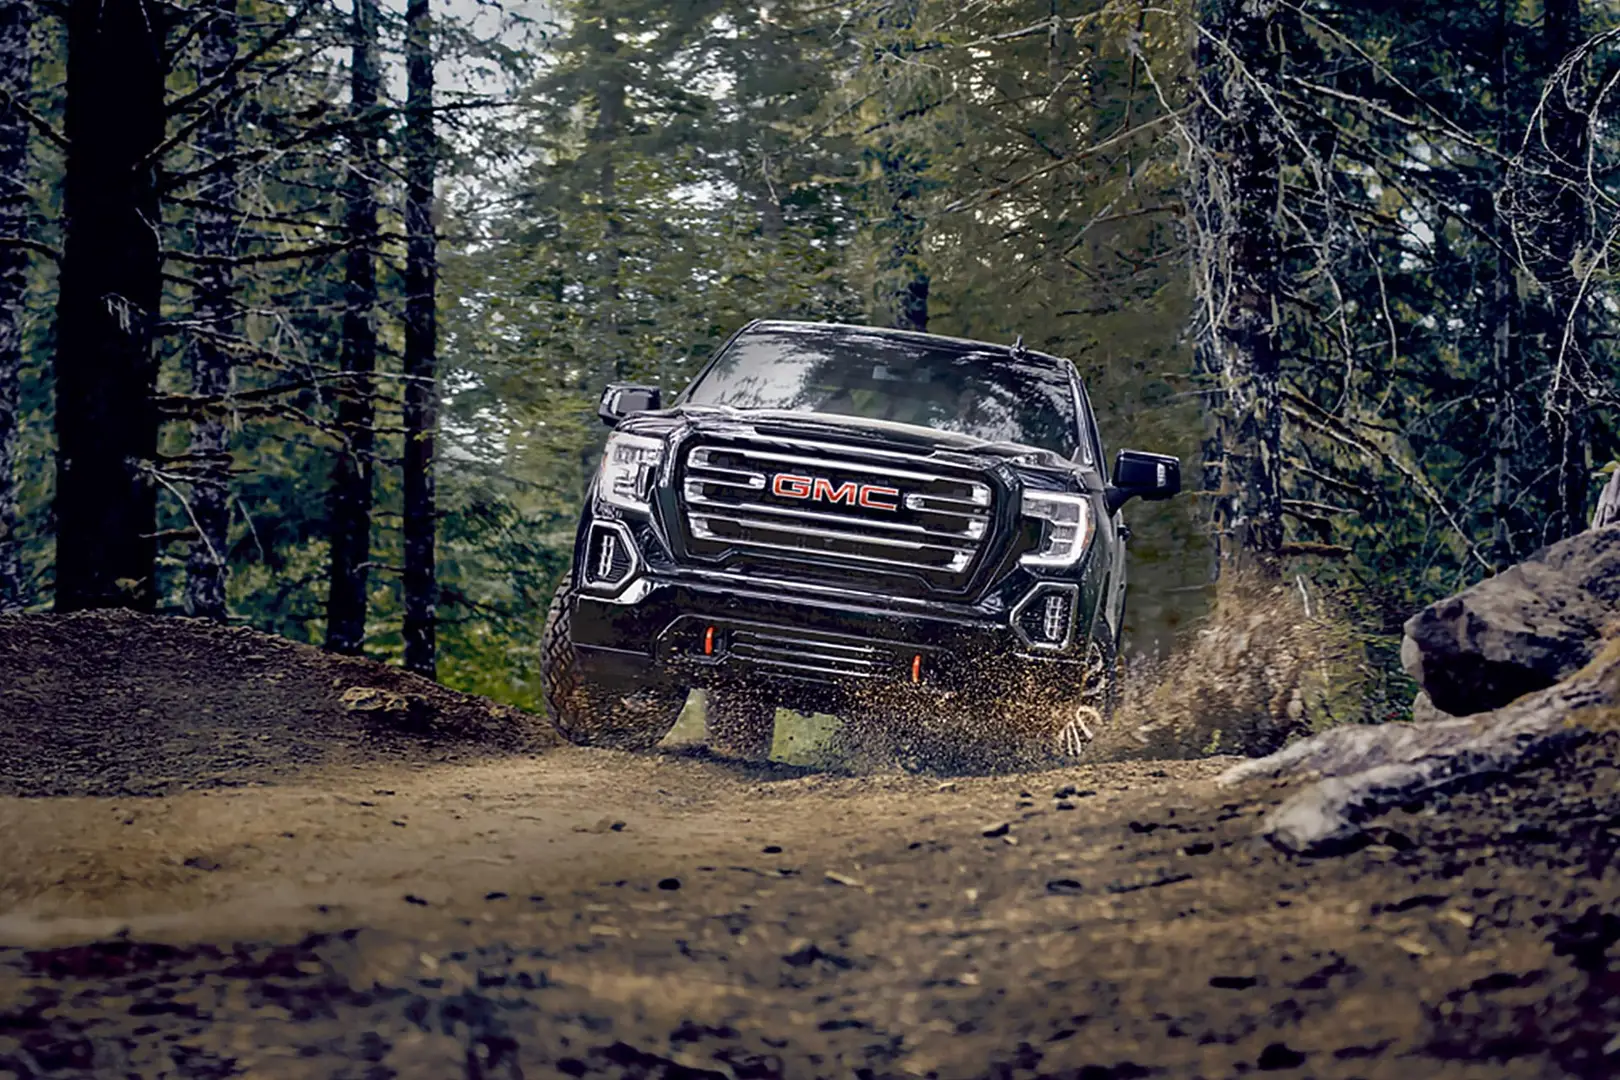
(916, 668)
(708, 642)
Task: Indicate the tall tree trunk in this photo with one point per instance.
(351, 494)
(604, 137)
(1504, 371)
(215, 310)
(901, 288)
(1566, 134)
(421, 373)
(1235, 187)
(16, 79)
(900, 282)
(106, 417)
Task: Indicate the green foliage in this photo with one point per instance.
(662, 171)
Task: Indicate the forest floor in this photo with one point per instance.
(220, 856)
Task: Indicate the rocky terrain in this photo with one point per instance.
(225, 855)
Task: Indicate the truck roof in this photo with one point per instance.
(938, 341)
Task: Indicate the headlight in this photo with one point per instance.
(1068, 529)
(625, 463)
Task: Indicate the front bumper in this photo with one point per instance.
(811, 650)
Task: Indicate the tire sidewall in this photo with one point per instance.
(588, 714)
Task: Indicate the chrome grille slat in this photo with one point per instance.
(870, 468)
(701, 482)
(925, 524)
(699, 499)
(700, 522)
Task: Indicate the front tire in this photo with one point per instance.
(587, 713)
(1091, 705)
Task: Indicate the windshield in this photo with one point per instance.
(826, 369)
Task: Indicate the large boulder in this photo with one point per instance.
(1359, 771)
(1521, 631)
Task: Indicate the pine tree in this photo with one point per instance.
(214, 316)
(421, 346)
(106, 418)
(16, 80)
(1234, 184)
(1559, 145)
(352, 477)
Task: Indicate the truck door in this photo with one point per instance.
(1112, 602)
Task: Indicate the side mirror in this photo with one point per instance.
(619, 400)
(1138, 474)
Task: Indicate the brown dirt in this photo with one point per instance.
(120, 704)
(417, 905)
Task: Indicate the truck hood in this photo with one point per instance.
(851, 430)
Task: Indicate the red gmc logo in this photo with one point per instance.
(820, 489)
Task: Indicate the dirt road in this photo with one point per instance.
(429, 909)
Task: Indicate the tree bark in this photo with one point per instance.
(1566, 337)
(351, 495)
(421, 374)
(215, 312)
(16, 79)
(106, 416)
(900, 283)
(1504, 369)
(1235, 185)
(901, 289)
(604, 137)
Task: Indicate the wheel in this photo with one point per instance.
(1091, 706)
(1030, 722)
(589, 713)
(739, 724)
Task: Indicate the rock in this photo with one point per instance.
(1278, 1056)
(1365, 769)
(1424, 710)
(1608, 504)
(1520, 631)
(999, 829)
(806, 953)
(411, 711)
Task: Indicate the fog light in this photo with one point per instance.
(1045, 618)
(610, 557)
(1053, 625)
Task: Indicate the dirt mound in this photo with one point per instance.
(114, 703)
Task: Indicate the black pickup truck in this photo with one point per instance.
(912, 531)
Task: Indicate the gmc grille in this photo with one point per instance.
(835, 509)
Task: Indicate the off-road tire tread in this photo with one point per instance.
(587, 715)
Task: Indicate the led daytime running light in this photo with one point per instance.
(624, 464)
(1068, 529)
